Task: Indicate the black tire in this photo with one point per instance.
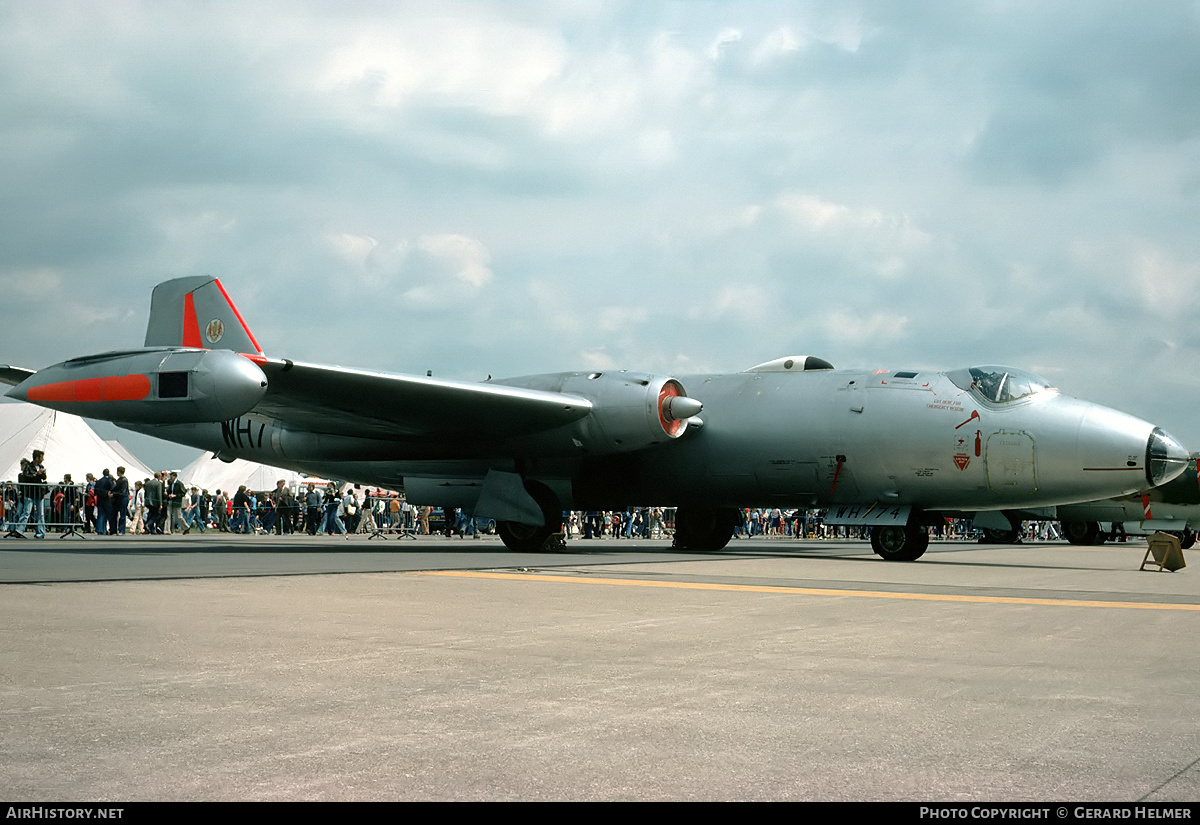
(702, 529)
(991, 535)
(527, 538)
(1083, 532)
(894, 543)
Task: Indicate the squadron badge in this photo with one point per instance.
(214, 330)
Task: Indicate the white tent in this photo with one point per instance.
(70, 445)
(130, 459)
(211, 474)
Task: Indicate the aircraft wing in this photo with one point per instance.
(347, 401)
(13, 375)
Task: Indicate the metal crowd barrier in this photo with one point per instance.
(32, 509)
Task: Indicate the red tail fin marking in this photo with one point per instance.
(191, 327)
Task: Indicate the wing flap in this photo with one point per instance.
(330, 399)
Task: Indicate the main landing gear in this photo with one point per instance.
(896, 543)
(991, 535)
(704, 529)
(1091, 533)
(526, 538)
(1083, 532)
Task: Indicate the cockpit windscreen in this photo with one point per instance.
(999, 385)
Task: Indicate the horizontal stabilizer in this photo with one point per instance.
(14, 375)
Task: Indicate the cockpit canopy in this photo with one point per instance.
(999, 385)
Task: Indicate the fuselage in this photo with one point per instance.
(796, 439)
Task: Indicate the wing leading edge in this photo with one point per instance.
(406, 407)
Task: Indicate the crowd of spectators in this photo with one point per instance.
(164, 504)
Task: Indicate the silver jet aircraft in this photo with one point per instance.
(891, 450)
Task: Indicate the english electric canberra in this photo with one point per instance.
(892, 450)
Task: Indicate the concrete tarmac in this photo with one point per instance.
(220, 667)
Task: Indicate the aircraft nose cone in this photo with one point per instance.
(1165, 457)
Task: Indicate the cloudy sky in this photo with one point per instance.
(512, 187)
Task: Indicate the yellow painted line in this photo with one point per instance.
(807, 591)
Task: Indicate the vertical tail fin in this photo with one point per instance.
(197, 312)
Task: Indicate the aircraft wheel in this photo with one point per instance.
(994, 536)
(1082, 532)
(523, 538)
(703, 530)
(527, 538)
(1187, 540)
(893, 543)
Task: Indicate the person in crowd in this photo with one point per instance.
(264, 505)
(176, 492)
(105, 524)
(312, 510)
(155, 504)
(394, 515)
(332, 502)
(89, 504)
(285, 508)
(205, 507)
(253, 525)
(33, 481)
(240, 520)
(221, 511)
(120, 501)
(191, 510)
(350, 511)
(137, 511)
(62, 504)
(10, 499)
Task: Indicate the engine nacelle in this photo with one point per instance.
(150, 386)
(630, 410)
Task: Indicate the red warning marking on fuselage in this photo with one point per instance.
(837, 471)
(962, 461)
(974, 417)
(1146, 506)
